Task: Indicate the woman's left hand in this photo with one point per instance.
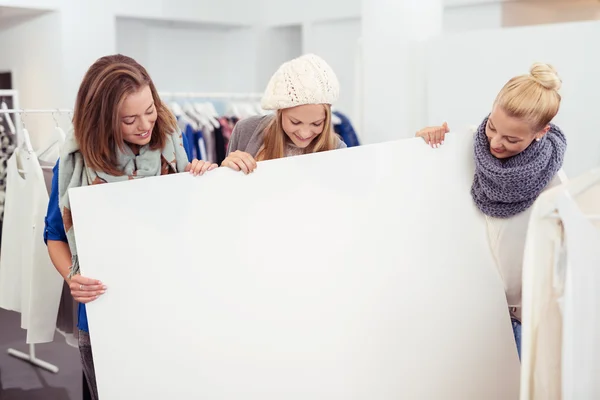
(199, 167)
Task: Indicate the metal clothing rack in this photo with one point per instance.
(29, 357)
(22, 133)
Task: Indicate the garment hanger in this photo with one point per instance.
(60, 140)
(9, 122)
(26, 139)
(176, 109)
(207, 114)
(202, 119)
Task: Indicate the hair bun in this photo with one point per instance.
(546, 76)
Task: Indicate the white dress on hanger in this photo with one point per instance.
(29, 283)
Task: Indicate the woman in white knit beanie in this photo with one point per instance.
(301, 91)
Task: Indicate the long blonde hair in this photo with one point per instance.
(533, 97)
(274, 138)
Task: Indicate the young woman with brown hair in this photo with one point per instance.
(121, 131)
(518, 154)
(301, 91)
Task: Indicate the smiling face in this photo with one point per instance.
(304, 123)
(509, 136)
(137, 117)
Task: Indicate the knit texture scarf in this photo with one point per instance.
(73, 173)
(504, 188)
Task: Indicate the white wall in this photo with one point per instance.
(473, 17)
(276, 46)
(188, 57)
(36, 67)
(476, 65)
(337, 43)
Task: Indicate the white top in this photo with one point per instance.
(506, 237)
(29, 283)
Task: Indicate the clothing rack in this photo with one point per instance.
(21, 129)
(27, 357)
(14, 94)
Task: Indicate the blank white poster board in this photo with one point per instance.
(478, 63)
(361, 273)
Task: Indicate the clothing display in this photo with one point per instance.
(505, 187)
(346, 130)
(209, 142)
(6, 149)
(247, 136)
(560, 356)
(29, 283)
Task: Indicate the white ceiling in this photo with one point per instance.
(16, 12)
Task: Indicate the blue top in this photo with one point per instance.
(55, 230)
(346, 130)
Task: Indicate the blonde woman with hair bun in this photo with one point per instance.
(518, 154)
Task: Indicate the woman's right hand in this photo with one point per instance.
(434, 135)
(240, 161)
(85, 289)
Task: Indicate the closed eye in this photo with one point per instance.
(317, 124)
(295, 122)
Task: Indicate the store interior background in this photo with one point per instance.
(402, 64)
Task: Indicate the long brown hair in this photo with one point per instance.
(105, 86)
(274, 139)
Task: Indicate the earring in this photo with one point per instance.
(537, 139)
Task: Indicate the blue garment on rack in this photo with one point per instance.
(516, 325)
(55, 229)
(346, 130)
(196, 140)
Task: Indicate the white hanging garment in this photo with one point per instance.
(541, 314)
(29, 283)
(560, 295)
(16, 209)
(581, 321)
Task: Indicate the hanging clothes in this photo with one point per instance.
(346, 130)
(6, 150)
(220, 145)
(560, 283)
(227, 125)
(29, 283)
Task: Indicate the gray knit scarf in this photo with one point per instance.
(504, 188)
(72, 173)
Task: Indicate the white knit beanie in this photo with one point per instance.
(303, 80)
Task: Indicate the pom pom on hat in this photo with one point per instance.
(304, 80)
